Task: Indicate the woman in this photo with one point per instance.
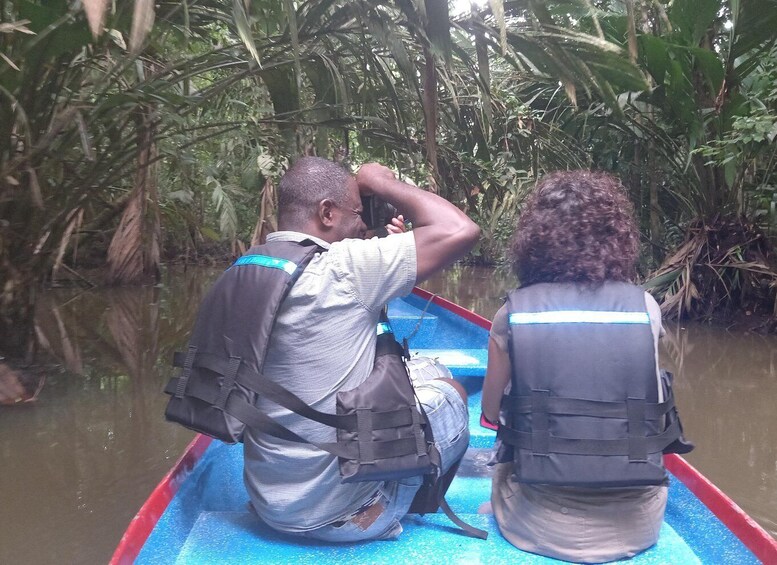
(579, 473)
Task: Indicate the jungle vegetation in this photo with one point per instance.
(133, 133)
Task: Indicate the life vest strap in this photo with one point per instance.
(187, 363)
(574, 446)
(259, 384)
(471, 531)
(257, 420)
(229, 382)
(638, 450)
(540, 434)
(581, 407)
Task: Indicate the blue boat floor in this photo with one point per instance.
(237, 537)
(223, 530)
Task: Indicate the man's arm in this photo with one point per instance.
(442, 232)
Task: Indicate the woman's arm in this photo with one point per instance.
(497, 377)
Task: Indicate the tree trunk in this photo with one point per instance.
(655, 219)
(17, 311)
(282, 86)
(631, 31)
(324, 109)
(266, 223)
(133, 255)
(430, 112)
(484, 70)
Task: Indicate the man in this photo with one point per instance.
(324, 339)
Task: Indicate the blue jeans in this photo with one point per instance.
(378, 517)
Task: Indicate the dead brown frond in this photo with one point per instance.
(74, 220)
(134, 254)
(723, 269)
(95, 14)
(266, 223)
(133, 320)
(17, 386)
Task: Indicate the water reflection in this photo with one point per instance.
(479, 289)
(78, 462)
(726, 386)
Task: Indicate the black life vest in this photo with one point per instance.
(583, 409)
(230, 338)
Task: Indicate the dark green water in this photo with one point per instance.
(77, 462)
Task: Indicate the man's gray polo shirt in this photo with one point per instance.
(323, 342)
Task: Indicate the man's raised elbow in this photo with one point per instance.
(468, 234)
(473, 232)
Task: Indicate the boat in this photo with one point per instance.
(199, 512)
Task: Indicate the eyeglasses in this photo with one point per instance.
(355, 211)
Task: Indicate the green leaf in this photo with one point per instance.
(438, 28)
(711, 66)
(244, 29)
(662, 280)
(772, 132)
(393, 40)
(210, 233)
(655, 54)
(680, 97)
(40, 16)
(755, 25)
(730, 171)
(182, 195)
(692, 18)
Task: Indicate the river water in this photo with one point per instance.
(79, 458)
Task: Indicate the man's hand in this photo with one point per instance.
(441, 231)
(397, 225)
(370, 175)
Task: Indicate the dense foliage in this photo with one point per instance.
(137, 131)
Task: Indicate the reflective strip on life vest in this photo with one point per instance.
(578, 317)
(265, 261)
(384, 328)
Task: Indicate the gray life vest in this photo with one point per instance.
(583, 409)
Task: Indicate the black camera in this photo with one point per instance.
(376, 213)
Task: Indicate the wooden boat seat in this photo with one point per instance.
(237, 537)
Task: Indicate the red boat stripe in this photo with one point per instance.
(144, 521)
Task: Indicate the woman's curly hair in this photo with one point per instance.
(577, 226)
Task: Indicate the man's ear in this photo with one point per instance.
(326, 212)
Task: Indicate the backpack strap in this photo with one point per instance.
(471, 531)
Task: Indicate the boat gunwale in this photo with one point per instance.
(144, 522)
(738, 522)
(747, 530)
